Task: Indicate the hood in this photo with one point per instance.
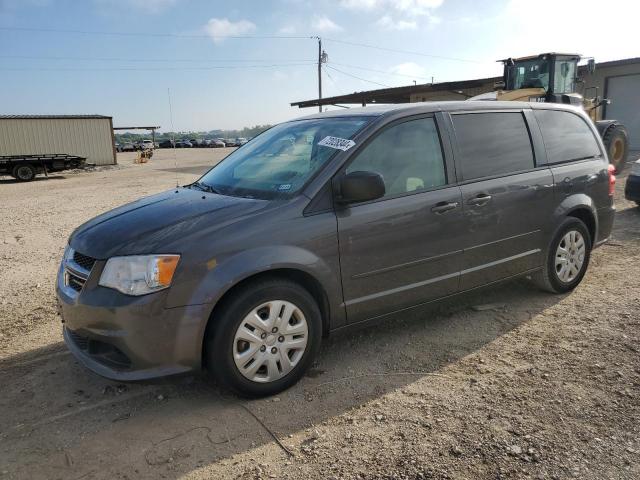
(152, 224)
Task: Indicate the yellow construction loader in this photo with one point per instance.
(553, 77)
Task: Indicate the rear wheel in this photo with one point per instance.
(24, 173)
(264, 339)
(616, 141)
(567, 258)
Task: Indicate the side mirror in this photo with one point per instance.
(360, 187)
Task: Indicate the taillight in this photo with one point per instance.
(612, 180)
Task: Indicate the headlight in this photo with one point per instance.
(68, 254)
(140, 274)
(635, 168)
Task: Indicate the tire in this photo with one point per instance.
(548, 278)
(616, 141)
(226, 354)
(24, 172)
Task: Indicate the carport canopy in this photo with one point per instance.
(458, 90)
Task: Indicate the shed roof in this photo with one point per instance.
(32, 117)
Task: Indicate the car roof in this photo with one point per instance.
(429, 107)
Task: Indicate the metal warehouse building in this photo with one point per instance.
(89, 136)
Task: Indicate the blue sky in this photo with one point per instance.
(219, 82)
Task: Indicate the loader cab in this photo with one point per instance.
(556, 73)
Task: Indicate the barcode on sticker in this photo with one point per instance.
(337, 143)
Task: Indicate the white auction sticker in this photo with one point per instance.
(337, 143)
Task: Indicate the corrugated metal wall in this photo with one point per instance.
(87, 137)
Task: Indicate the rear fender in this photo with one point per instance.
(573, 203)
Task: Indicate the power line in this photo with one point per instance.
(359, 78)
(381, 71)
(143, 60)
(213, 67)
(394, 50)
(147, 34)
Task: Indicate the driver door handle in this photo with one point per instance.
(443, 207)
(479, 200)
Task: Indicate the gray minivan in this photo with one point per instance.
(331, 221)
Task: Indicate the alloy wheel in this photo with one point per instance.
(570, 256)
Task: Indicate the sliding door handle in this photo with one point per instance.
(479, 200)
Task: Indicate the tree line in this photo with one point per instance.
(246, 132)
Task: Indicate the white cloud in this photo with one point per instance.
(388, 23)
(410, 7)
(360, 4)
(218, 28)
(416, 7)
(287, 30)
(524, 38)
(322, 23)
(410, 69)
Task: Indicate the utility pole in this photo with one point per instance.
(319, 73)
(322, 58)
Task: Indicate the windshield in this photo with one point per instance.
(529, 74)
(277, 163)
(564, 77)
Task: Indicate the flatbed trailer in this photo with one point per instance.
(25, 167)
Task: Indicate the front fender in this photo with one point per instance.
(229, 272)
(220, 275)
(603, 126)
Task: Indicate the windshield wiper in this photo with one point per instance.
(204, 187)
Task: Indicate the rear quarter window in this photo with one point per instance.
(566, 136)
(492, 144)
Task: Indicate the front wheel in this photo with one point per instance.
(567, 258)
(264, 338)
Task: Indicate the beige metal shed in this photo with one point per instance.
(89, 136)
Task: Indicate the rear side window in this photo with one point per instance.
(566, 136)
(408, 156)
(492, 144)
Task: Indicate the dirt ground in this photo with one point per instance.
(508, 382)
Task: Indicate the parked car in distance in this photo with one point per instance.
(632, 187)
(167, 144)
(184, 144)
(128, 147)
(230, 142)
(145, 145)
(366, 214)
(118, 147)
(240, 141)
(217, 144)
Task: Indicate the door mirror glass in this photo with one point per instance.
(361, 187)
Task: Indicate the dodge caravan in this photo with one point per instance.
(331, 221)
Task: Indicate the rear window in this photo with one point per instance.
(566, 136)
(492, 144)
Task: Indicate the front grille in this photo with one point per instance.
(75, 282)
(84, 261)
(81, 342)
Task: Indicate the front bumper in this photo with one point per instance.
(632, 188)
(129, 338)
